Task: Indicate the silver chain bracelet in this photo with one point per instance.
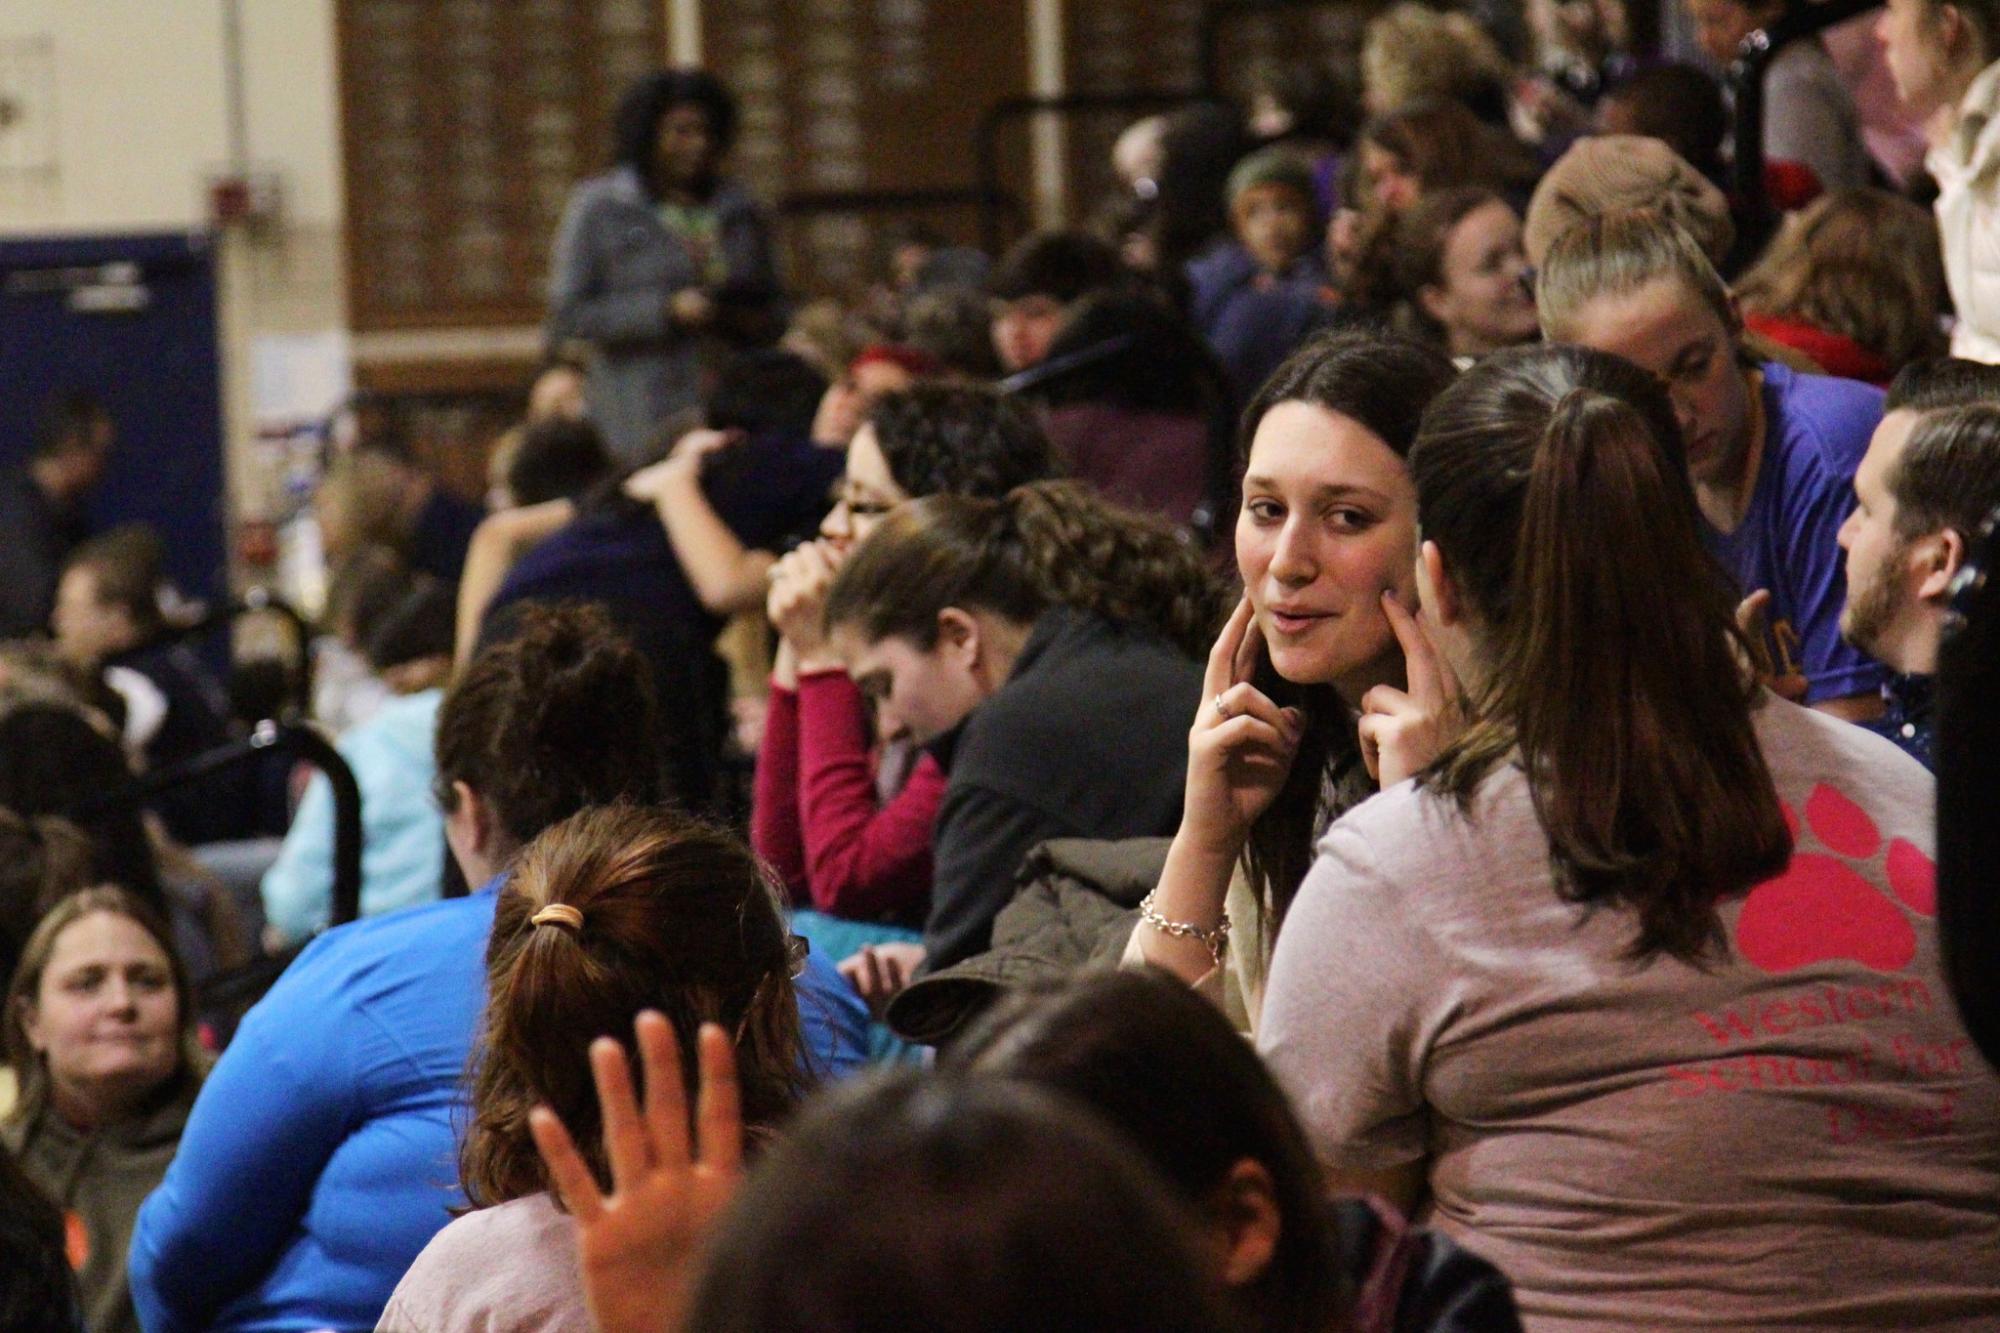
(1215, 939)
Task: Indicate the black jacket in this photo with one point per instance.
(1087, 739)
(39, 535)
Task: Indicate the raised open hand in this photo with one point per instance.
(1241, 746)
(640, 1243)
(1403, 730)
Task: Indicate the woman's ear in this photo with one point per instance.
(469, 824)
(1434, 585)
(31, 1024)
(1952, 25)
(958, 636)
(1244, 1208)
(1431, 299)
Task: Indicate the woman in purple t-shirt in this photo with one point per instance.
(1771, 453)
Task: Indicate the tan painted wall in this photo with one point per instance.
(140, 122)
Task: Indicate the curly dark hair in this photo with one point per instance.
(635, 131)
(550, 721)
(1052, 544)
(946, 439)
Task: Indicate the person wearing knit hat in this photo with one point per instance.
(1614, 172)
(1274, 208)
(1259, 297)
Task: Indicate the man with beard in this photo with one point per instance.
(1931, 474)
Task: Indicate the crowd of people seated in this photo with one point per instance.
(1349, 746)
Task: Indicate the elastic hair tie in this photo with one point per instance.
(558, 914)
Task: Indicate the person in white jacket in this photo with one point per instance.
(1945, 59)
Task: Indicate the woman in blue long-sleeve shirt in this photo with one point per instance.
(319, 1159)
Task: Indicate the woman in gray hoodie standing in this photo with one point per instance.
(661, 261)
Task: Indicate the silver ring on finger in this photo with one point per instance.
(1221, 708)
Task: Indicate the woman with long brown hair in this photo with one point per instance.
(617, 910)
(1575, 980)
(1326, 541)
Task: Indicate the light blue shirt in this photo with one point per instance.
(402, 831)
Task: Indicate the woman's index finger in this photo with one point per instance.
(1221, 673)
(1249, 649)
(719, 1107)
(1420, 662)
(574, 1184)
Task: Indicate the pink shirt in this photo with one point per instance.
(816, 816)
(511, 1268)
(1799, 1136)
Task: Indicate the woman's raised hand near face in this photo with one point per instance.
(1402, 731)
(639, 1245)
(1241, 746)
(797, 602)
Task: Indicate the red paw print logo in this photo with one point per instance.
(1822, 908)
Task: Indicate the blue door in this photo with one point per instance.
(131, 319)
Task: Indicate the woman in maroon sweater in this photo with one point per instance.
(839, 810)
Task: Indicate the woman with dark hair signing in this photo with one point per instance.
(1640, 976)
(1326, 542)
(660, 257)
(614, 911)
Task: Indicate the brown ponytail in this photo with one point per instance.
(1049, 544)
(615, 910)
(1552, 481)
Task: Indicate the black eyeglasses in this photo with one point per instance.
(864, 508)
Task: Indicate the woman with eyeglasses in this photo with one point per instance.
(843, 816)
